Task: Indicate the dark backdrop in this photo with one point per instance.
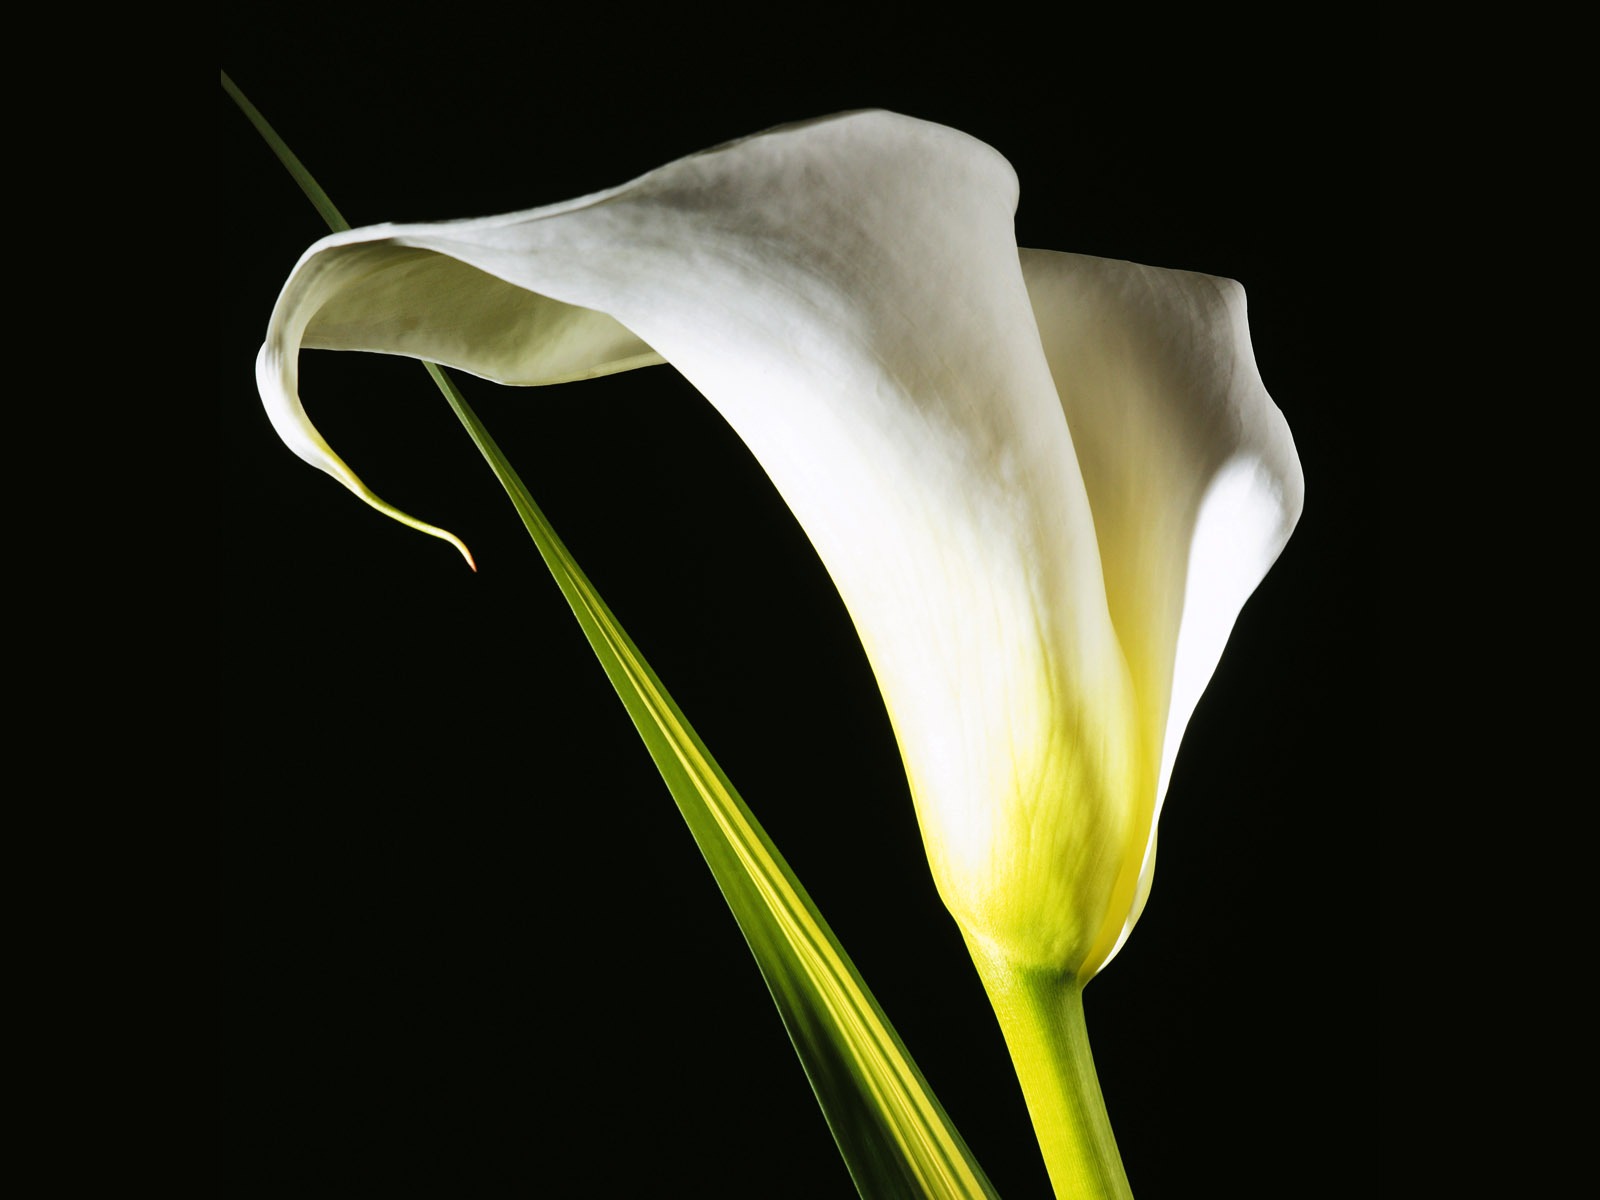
(467, 940)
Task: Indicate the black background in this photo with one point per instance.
(467, 940)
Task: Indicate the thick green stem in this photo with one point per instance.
(1041, 1015)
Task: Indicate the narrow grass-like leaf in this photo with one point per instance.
(297, 170)
(895, 1137)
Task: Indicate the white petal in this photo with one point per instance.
(847, 293)
(1189, 466)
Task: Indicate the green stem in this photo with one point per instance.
(1041, 1015)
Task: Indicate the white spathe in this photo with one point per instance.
(1043, 483)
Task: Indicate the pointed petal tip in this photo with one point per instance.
(405, 518)
(276, 379)
(444, 535)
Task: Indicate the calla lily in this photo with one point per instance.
(1044, 484)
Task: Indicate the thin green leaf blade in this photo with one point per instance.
(895, 1137)
(291, 163)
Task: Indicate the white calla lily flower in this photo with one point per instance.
(1044, 484)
